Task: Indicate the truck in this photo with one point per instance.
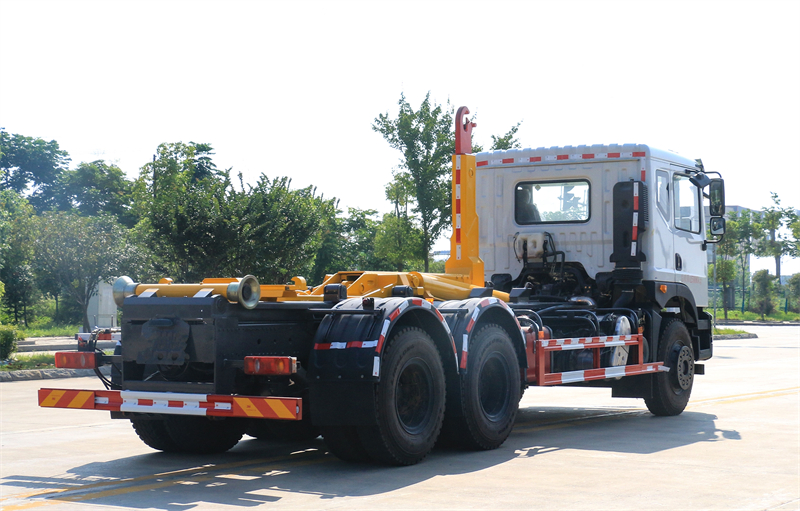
(571, 266)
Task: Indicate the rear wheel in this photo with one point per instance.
(491, 389)
(409, 400)
(154, 433)
(672, 389)
(201, 435)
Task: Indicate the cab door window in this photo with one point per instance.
(686, 204)
(662, 193)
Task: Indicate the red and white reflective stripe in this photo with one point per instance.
(344, 345)
(419, 302)
(578, 343)
(602, 373)
(562, 157)
(464, 350)
(173, 403)
(458, 207)
(635, 228)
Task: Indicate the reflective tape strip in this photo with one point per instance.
(382, 337)
(561, 157)
(57, 398)
(261, 408)
(376, 366)
(573, 343)
(173, 403)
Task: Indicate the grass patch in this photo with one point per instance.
(50, 331)
(35, 361)
(728, 331)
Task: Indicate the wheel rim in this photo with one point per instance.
(414, 396)
(493, 389)
(684, 369)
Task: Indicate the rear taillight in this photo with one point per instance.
(76, 360)
(270, 365)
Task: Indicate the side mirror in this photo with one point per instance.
(716, 196)
(717, 226)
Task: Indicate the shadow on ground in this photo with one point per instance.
(257, 472)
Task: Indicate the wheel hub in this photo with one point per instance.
(414, 396)
(684, 368)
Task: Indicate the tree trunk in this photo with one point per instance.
(724, 299)
(778, 270)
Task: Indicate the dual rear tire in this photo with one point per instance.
(410, 400)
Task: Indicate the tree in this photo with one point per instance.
(79, 252)
(793, 288)
(27, 161)
(400, 242)
(426, 139)
(94, 188)
(198, 228)
(16, 254)
(726, 273)
(764, 286)
(771, 242)
(507, 141)
(348, 244)
(741, 231)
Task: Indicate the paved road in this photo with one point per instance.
(736, 447)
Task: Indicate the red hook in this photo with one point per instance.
(463, 131)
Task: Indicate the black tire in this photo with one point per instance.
(201, 435)
(154, 433)
(344, 443)
(672, 389)
(491, 389)
(409, 400)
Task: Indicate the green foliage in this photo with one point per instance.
(764, 287)
(400, 242)
(95, 188)
(8, 341)
(17, 255)
(27, 161)
(507, 141)
(79, 252)
(793, 290)
(348, 244)
(197, 227)
(770, 241)
(426, 139)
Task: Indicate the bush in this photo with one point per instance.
(8, 341)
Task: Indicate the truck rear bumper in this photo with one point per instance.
(171, 403)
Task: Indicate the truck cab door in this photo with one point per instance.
(690, 260)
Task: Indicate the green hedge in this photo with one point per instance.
(8, 341)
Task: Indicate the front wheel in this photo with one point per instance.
(672, 389)
(409, 400)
